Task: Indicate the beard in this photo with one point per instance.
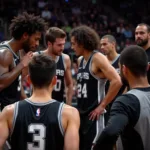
(56, 53)
(26, 46)
(142, 42)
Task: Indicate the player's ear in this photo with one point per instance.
(25, 36)
(54, 80)
(29, 79)
(49, 43)
(125, 69)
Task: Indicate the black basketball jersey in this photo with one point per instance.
(148, 54)
(11, 93)
(116, 66)
(58, 92)
(115, 63)
(37, 126)
(90, 89)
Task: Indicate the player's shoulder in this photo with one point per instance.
(38, 52)
(127, 99)
(70, 111)
(65, 56)
(6, 57)
(99, 58)
(9, 110)
(67, 61)
(79, 59)
(98, 55)
(4, 51)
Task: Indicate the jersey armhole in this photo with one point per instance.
(63, 60)
(60, 118)
(14, 117)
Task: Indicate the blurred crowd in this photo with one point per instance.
(68, 14)
(105, 17)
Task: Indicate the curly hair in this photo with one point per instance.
(86, 37)
(26, 23)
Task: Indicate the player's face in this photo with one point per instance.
(105, 46)
(31, 42)
(76, 47)
(141, 35)
(58, 46)
(122, 75)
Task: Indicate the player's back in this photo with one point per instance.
(37, 126)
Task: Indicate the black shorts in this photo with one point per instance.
(90, 131)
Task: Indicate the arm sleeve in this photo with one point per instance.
(125, 110)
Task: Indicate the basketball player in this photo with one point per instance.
(108, 47)
(94, 69)
(26, 32)
(55, 40)
(130, 112)
(142, 38)
(40, 122)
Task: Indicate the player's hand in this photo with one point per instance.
(96, 113)
(26, 59)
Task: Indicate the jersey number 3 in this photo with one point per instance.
(38, 138)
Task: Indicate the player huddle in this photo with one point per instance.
(104, 119)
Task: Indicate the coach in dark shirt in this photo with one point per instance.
(142, 38)
(129, 116)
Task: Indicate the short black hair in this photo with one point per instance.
(86, 37)
(144, 24)
(42, 69)
(135, 58)
(110, 38)
(53, 33)
(26, 23)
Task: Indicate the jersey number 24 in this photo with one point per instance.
(82, 90)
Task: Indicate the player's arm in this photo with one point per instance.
(68, 80)
(104, 69)
(71, 117)
(110, 73)
(125, 110)
(6, 77)
(4, 126)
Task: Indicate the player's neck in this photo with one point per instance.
(138, 82)
(112, 56)
(41, 95)
(15, 45)
(49, 53)
(87, 55)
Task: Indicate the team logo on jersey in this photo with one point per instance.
(59, 72)
(38, 111)
(83, 75)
